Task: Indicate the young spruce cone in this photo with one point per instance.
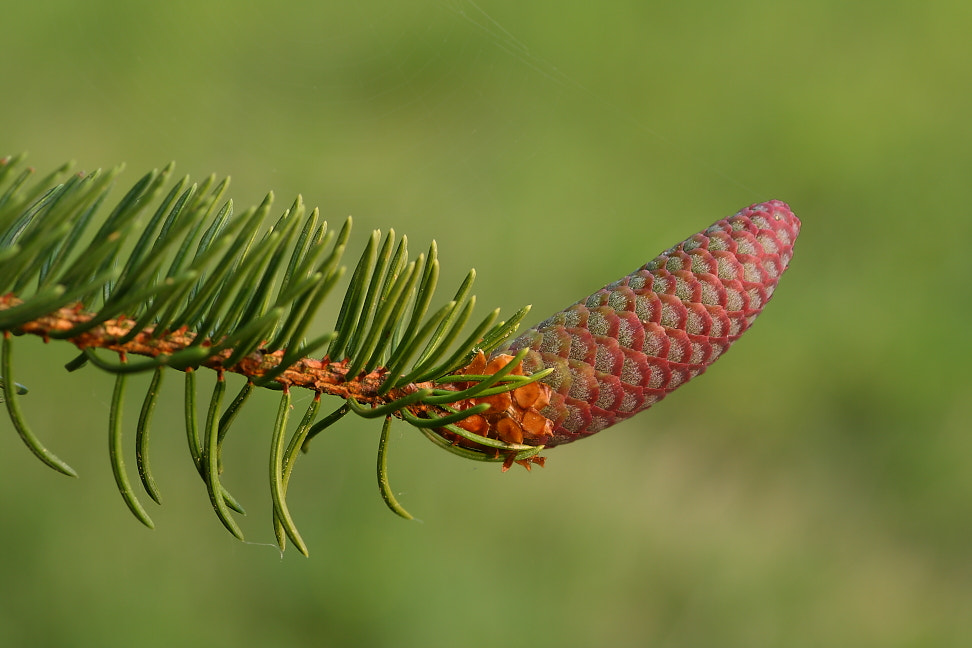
(628, 345)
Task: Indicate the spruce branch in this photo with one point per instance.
(175, 279)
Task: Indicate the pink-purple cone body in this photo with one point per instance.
(628, 345)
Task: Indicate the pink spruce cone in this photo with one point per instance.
(628, 345)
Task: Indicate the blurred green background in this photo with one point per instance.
(814, 489)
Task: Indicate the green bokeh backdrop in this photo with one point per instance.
(814, 489)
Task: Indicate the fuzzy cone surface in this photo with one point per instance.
(628, 345)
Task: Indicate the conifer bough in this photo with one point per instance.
(175, 279)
